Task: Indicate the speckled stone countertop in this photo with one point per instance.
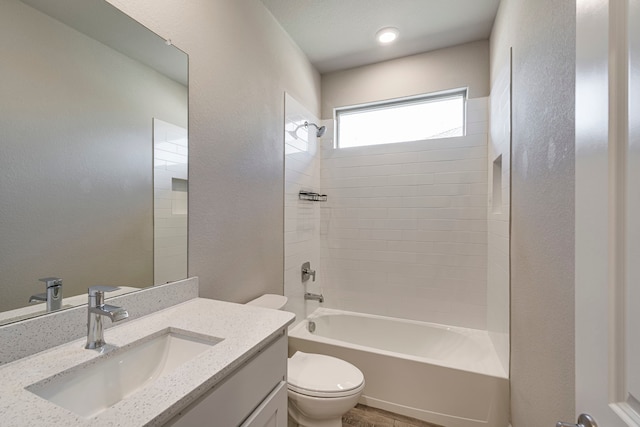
(244, 330)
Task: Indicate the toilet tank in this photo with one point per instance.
(276, 302)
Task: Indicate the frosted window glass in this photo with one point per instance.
(400, 121)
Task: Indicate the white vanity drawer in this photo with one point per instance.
(236, 398)
(272, 412)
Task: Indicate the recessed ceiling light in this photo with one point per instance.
(387, 35)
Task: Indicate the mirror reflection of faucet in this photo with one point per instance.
(52, 295)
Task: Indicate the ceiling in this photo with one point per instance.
(340, 34)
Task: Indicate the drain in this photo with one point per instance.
(311, 326)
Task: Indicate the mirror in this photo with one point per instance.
(93, 109)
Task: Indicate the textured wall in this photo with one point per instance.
(240, 64)
(466, 65)
(542, 34)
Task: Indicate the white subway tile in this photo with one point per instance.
(478, 177)
(401, 213)
(410, 246)
(372, 213)
(426, 202)
(395, 191)
(380, 234)
(443, 190)
(386, 202)
(477, 128)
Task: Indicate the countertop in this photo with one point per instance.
(244, 330)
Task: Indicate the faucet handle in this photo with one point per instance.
(307, 272)
(51, 281)
(94, 290)
(96, 294)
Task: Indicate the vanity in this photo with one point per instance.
(234, 376)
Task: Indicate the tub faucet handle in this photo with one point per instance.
(308, 272)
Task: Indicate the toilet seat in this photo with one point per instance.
(318, 375)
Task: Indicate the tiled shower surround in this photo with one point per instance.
(302, 218)
(170, 185)
(498, 215)
(404, 230)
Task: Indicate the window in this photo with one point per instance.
(431, 116)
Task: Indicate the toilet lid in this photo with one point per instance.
(322, 376)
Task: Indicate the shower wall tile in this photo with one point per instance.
(170, 185)
(498, 270)
(301, 218)
(404, 231)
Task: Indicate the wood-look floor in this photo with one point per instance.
(365, 416)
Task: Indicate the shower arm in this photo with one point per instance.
(321, 129)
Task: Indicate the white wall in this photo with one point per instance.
(465, 65)
(240, 64)
(542, 34)
(301, 218)
(404, 228)
(76, 162)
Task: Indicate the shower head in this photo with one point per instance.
(321, 129)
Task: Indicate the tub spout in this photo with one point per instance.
(316, 297)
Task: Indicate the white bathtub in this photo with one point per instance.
(441, 374)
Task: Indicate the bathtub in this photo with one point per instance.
(444, 375)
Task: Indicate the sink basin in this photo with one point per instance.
(91, 388)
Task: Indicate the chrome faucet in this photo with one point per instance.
(316, 297)
(52, 295)
(97, 309)
(307, 272)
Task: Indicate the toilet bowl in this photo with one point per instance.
(321, 388)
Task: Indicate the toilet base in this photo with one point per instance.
(301, 420)
(310, 411)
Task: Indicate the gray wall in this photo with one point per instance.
(76, 158)
(466, 65)
(542, 34)
(240, 64)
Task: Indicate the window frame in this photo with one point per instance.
(404, 101)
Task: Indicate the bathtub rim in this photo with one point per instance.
(300, 331)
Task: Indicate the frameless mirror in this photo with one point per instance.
(93, 163)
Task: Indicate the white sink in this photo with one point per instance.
(91, 388)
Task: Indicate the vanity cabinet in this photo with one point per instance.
(254, 395)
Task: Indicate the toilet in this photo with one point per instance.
(321, 388)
